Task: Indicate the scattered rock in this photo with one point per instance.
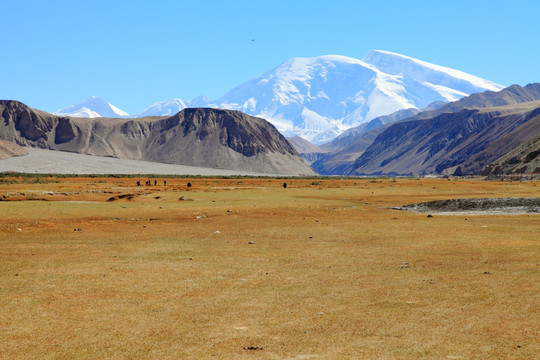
(404, 265)
(487, 273)
(120, 197)
(430, 216)
(77, 229)
(251, 242)
(230, 211)
(253, 347)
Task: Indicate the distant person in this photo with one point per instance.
(164, 183)
(138, 183)
(155, 182)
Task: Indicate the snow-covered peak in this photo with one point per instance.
(397, 64)
(83, 112)
(320, 97)
(93, 107)
(171, 107)
(163, 108)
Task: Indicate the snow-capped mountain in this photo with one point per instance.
(164, 108)
(92, 107)
(318, 98)
(171, 107)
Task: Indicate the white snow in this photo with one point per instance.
(163, 108)
(392, 62)
(84, 112)
(318, 98)
(93, 107)
(323, 96)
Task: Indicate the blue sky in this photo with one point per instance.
(133, 53)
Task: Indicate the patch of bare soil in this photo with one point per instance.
(479, 206)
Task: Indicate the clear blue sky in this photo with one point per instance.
(133, 53)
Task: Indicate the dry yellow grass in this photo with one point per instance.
(330, 273)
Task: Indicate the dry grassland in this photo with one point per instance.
(245, 269)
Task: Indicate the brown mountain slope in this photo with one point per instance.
(513, 94)
(512, 149)
(351, 144)
(524, 159)
(303, 146)
(351, 135)
(9, 149)
(308, 151)
(216, 138)
(444, 142)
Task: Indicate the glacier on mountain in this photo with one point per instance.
(319, 98)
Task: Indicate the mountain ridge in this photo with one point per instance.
(213, 138)
(318, 98)
(340, 161)
(444, 143)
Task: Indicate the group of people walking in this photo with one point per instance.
(149, 183)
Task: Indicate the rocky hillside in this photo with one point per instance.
(343, 151)
(223, 139)
(9, 149)
(525, 159)
(340, 161)
(453, 143)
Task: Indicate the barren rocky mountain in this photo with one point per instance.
(343, 151)
(214, 138)
(341, 161)
(525, 159)
(446, 142)
(308, 151)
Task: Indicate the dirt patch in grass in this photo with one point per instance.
(124, 197)
(512, 205)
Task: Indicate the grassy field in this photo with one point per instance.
(98, 268)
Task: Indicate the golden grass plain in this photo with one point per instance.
(245, 269)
